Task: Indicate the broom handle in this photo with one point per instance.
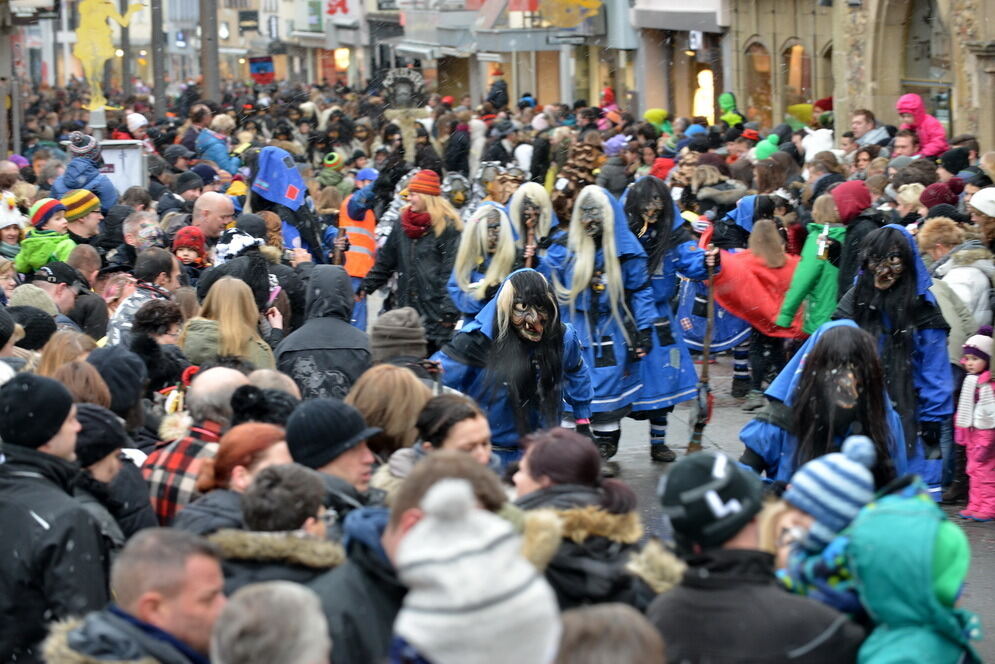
(706, 343)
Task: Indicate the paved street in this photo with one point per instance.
(722, 433)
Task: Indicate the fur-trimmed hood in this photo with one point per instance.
(291, 548)
(725, 193)
(57, 650)
(657, 566)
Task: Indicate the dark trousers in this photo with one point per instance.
(766, 358)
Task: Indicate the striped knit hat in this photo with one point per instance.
(83, 145)
(43, 210)
(79, 203)
(333, 160)
(426, 182)
(833, 488)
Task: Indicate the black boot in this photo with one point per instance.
(661, 452)
(607, 442)
(740, 386)
(957, 491)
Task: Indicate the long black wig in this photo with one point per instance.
(658, 237)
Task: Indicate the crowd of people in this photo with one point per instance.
(343, 379)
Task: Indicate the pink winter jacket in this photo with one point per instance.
(932, 135)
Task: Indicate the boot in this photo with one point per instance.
(740, 386)
(661, 452)
(607, 443)
(754, 401)
(957, 491)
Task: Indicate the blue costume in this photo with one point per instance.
(464, 365)
(615, 372)
(768, 434)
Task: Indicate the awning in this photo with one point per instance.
(404, 46)
(678, 21)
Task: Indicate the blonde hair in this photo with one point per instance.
(766, 243)
(63, 347)
(582, 249)
(472, 252)
(538, 194)
(768, 522)
(329, 201)
(939, 230)
(389, 397)
(229, 302)
(824, 210)
(222, 123)
(443, 214)
(186, 298)
(84, 383)
(908, 194)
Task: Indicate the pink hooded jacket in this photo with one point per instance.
(932, 135)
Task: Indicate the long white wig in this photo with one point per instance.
(539, 195)
(472, 251)
(582, 251)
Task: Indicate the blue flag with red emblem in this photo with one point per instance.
(277, 178)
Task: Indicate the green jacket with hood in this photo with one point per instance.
(814, 280)
(42, 247)
(893, 552)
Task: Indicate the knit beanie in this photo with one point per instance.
(29, 295)
(79, 203)
(615, 145)
(426, 182)
(7, 326)
(206, 173)
(191, 237)
(233, 243)
(951, 559)
(43, 210)
(469, 587)
(955, 160)
(980, 345)
(135, 121)
(84, 145)
(186, 181)
(984, 201)
(320, 430)
(125, 374)
(398, 332)
(101, 433)
(269, 406)
(833, 488)
(696, 485)
(252, 224)
(38, 326)
(333, 160)
(939, 193)
(32, 410)
(10, 214)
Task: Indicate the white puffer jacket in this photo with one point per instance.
(970, 272)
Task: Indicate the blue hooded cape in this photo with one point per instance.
(472, 380)
(776, 446)
(278, 180)
(742, 214)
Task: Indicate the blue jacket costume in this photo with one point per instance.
(729, 331)
(668, 373)
(214, 147)
(83, 173)
(931, 373)
(769, 434)
(469, 376)
(615, 372)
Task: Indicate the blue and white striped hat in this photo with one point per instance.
(833, 488)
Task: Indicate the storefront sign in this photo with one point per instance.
(261, 69)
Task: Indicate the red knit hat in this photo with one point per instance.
(942, 192)
(426, 182)
(190, 237)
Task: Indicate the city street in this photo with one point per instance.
(722, 433)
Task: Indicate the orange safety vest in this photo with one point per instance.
(362, 240)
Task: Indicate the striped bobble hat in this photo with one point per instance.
(333, 160)
(84, 145)
(79, 203)
(426, 182)
(43, 210)
(833, 488)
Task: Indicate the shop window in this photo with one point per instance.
(927, 60)
(796, 65)
(758, 85)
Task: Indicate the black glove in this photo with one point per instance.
(585, 430)
(835, 248)
(930, 434)
(644, 341)
(491, 291)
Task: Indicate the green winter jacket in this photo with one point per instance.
(329, 177)
(814, 280)
(891, 551)
(200, 345)
(42, 247)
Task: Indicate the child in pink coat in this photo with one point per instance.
(932, 135)
(974, 426)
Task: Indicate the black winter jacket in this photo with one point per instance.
(729, 608)
(457, 152)
(53, 557)
(216, 510)
(327, 354)
(423, 266)
(255, 557)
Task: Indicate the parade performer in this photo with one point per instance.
(602, 282)
(520, 361)
(667, 372)
(487, 254)
(531, 212)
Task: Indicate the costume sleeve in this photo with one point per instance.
(455, 374)
(802, 282)
(386, 262)
(767, 441)
(466, 303)
(360, 202)
(640, 292)
(933, 381)
(577, 389)
(691, 260)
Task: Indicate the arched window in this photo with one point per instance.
(758, 85)
(927, 59)
(796, 65)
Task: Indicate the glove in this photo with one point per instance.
(491, 291)
(930, 434)
(644, 341)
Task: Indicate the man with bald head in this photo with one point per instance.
(172, 468)
(211, 213)
(9, 174)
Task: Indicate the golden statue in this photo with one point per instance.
(94, 42)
